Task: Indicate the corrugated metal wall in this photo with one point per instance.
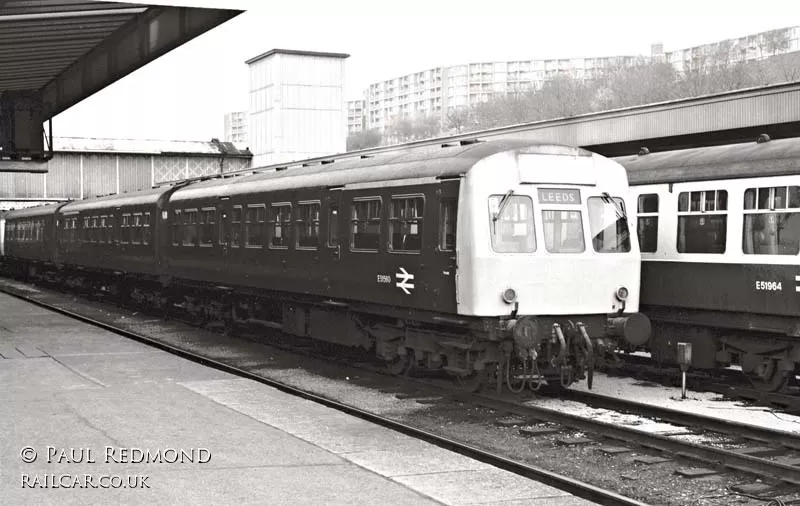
(21, 185)
(84, 175)
(135, 173)
(99, 175)
(64, 176)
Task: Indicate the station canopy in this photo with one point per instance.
(55, 53)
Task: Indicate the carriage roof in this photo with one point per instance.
(414, 163)
(733, 161)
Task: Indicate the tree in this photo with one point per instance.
(489, 114)
(640, 84)
(426, 127)
(562, 96)
(401, 129)
(459, 119)
(406, 129)
(364, 139)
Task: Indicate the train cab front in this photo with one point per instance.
(559, 267)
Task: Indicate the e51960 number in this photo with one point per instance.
(774, 286)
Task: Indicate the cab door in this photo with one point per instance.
(445, 252)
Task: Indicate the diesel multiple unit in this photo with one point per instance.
(500, 261)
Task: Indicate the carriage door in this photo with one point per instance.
(446, 258)
(334, 238)
(230, 222)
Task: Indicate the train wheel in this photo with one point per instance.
(767, 376)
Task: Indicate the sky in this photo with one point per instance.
(184, 94)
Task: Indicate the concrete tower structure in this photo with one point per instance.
(297, 107)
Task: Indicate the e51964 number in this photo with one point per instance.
(774, 286)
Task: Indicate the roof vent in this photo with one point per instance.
(325, 162)
(280, 168)
(762, 138)
(463, 142)
(644, 151)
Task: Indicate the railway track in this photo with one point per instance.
(774, 443)
(565, 483)
(758, 462)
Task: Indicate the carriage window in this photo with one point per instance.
(512, 230)
(333, 225)
(136, 226)
(405, 223)
(447, 224)
(702, 221)
(771, 221)
(608, 225)
(366, 224)
(254, 226)
(647, 222)
(280, 221)
(189, 223)
(207, 227)
(236, 227)
(563, 231)
(307, 225)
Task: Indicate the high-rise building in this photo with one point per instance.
(236, 127)
(758, 46)
(436, 91)
(355, 116)
(297, 107)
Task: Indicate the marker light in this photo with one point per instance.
(622, 293)
(509, 296)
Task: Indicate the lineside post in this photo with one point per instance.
(684, 359)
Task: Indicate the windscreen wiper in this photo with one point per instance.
(502, 206)
(617, 207)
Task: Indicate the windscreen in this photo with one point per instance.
(608, 225)
(512, 229)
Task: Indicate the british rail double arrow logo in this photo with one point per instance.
(404, 283)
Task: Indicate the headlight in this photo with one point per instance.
(509, 296)
(622, 293)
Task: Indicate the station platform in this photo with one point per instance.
(89, 417)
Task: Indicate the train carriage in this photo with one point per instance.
(719, 229)
(111, 233)
(29, 237)
(431, 255)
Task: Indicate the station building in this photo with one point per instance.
(89, 167)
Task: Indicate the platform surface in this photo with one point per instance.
(112, 421)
